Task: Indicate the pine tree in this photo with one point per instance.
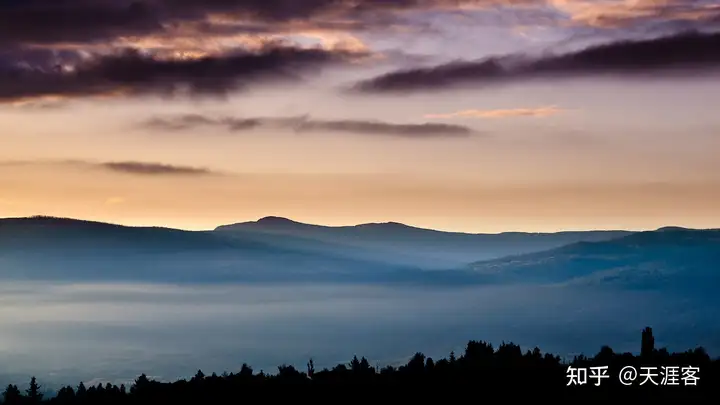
(81, 390)
(11, 395)
(34, 395)
(355, 364)
(246, 371)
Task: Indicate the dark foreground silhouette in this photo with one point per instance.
(481, 374)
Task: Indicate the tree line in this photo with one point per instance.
(478, 373)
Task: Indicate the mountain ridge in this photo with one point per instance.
(672, 257)
(277, 220)
(421, 247)
(43, 246)
(274, 246)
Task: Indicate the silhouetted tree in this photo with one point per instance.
(11, 395)
(142, 383)
(246, 371)
(310, 368)
(429, 364)
(416, 363)
(354, 364)
(34, 396)
(648, 343)
(81, 390)
(65, 395)
(199, 376)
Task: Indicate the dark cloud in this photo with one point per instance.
(681, 52)
(178, 123)
(40, 22)
(58, 21)
(87, 21)
(132, 72)
(277, 10)
(305, 124)
(381, 128)
(59, 48)
(127, 167)
(153, 168)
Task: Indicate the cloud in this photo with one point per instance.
(91, 21)
(49, 23)
(621, 13)
(152, 168)
(685, 51)
(305, 124)
(178, 123)
(68, 48)
(381, 128)
(133, 72)
(50, 48)
(540, 112)
(44, 22)
(125, 167)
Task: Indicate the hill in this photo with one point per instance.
(42, 248)
(669, 257)
(276, 249)
(401, 244)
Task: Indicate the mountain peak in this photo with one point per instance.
(272, 220)
(394, 224)
(269, 223)
(388, 226)
(672, 229)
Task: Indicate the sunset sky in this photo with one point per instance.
(473, 116)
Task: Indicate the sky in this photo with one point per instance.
(473, 116)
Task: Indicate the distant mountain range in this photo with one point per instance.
(52, 248)
(276, 249)
(401, 244)
(669, 257)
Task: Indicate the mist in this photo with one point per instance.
(66, 332)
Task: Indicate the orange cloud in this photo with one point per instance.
(613, 13)
(540, 112)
